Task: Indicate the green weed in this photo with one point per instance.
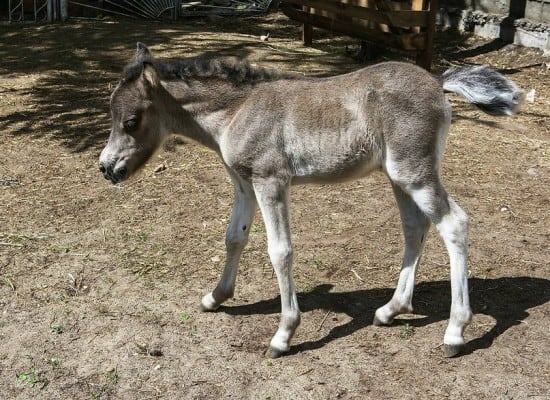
(406, 331)
(32, 378)
(185, 316)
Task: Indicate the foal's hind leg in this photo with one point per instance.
(235, 240)
(452, 224)
(415, 228)
(453, 228)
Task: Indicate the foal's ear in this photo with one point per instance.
(142, 52)
(150, 74)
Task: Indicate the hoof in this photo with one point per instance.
(452, 350)
(272, 352)
(208, 304)
(378, 322)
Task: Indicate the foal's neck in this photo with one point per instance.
(207, 106)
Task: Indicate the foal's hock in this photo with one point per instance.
(273, 130)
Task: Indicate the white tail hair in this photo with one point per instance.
(484, 87)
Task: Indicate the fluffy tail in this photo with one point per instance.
(484, 87)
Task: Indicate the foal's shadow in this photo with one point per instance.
(507, 300)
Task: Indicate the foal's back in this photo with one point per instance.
(327, 129)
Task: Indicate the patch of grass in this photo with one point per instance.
(310, 286)
(406, 331)
(8, 282)
(185, 316)
(140, 237)
(109, 281)
(58, 250)
(258, 228)
(148, 267)
(148, 283)
(32, 378)
(150, 316)
(319, 264)
(17, 239)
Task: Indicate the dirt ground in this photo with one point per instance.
(100, 285)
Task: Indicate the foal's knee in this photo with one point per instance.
(235, 239)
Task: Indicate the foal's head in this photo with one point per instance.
(138, 125)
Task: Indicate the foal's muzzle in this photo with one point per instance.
(114, 175)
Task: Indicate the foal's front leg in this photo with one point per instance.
(235, 240)
(272, 195)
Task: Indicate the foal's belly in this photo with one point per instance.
(328, 169)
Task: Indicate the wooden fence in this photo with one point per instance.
(407, 26)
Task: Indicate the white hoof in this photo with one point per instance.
(382, 318)
(208, 303)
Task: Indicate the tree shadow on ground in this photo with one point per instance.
(507, 300)
(76, 65)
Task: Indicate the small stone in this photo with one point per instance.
(160, 168)
(533, 171)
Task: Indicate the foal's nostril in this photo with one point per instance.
(102, 168)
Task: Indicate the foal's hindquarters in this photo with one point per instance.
(406, 140)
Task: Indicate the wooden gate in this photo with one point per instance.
(408, 26)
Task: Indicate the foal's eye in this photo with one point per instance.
(131, 123)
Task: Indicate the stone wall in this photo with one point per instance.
(523, 22)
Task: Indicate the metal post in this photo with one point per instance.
(64, 9)
(176, 9)
(49, 10)
(54, 10)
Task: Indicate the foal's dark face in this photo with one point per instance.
(136, 130)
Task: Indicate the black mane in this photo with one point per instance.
(240, 73)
